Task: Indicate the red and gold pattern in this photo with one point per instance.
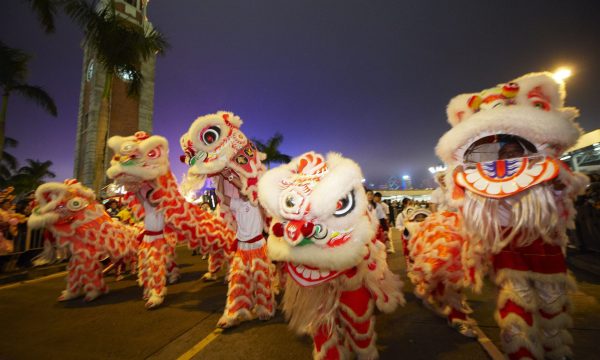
(69, 211)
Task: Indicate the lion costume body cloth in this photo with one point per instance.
(70, 212)
(141, 164)
(434, 253)
(516, 202)
(325, 236)
(215, 145)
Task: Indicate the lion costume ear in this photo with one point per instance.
(459, 109)
(114, 143)
(540, 90)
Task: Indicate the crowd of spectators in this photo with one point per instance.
(586, 236)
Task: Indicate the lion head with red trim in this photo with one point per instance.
(213, 143)
(62, 204)
(320, 220)
(138, 158)
(506, 139)
(502, 155)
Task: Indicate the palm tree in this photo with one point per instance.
(46, 12)
(8, 163)
(119, 47)
(32, 175)
(271, 149)
(13, 74)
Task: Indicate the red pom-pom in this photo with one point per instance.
(278, 229)
(307, 229)
(141, 135)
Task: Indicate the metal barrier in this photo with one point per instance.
(26, 244)
(28, 239)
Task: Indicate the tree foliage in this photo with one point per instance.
(271, 149)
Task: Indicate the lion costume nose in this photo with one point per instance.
(295, 231)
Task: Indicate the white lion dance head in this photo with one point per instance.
(214, 143)
(502, 154)
(62, 204)
(137, 159)
(320, 218)
(325, 236)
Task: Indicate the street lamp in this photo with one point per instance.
(437, 169)
(562, 73)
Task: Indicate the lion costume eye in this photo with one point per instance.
(128, 147)
(344, 205)
(76, 204)
(154, 153)
(320, 232)
(210, 135)
(541, 104)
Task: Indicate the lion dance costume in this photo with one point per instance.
(141, 164)
(70, 212)
(433, 249)
(215, 145)
(516, 201)
(325, 236)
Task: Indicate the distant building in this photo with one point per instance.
(126, 115)
(406, 182)
(585, 155)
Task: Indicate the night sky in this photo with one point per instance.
(370, 79)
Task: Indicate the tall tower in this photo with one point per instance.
(126, 115)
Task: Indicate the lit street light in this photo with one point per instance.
(561, 74)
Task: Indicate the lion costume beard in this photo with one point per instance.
(526, 217)
(307, 308)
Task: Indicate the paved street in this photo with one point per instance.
(116, 326)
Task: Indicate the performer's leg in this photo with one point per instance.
(327, 344)
(152, 273)
(239, 294)
(262, 276)
(172, 268)
(391, 248)
(74, 286)
(215, 263)
(458, 312)
(554, 317)
(516, 308)
(358, 322)
(94, 285)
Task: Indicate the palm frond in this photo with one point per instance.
(276, 140)
(13, 65)
(9, 161)
(46, 11)
(39, 95)
(10, 142)
(117, 44)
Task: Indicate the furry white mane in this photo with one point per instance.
(139, 156)
(531, 107)
(341, 177)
